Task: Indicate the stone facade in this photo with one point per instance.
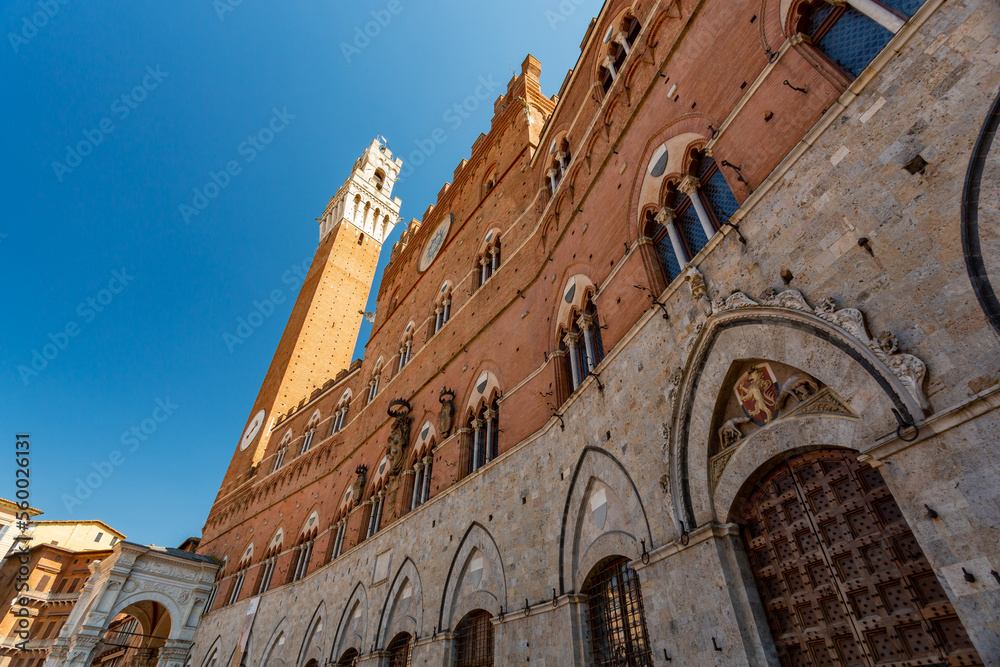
(833, 313)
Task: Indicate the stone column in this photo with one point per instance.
(689, 186)
(668, 217)
(622, 40)
(418, 480)
(586, 324)
(609, 64)
(426, 492)
(447, 311)
(574, 362)
(877, 12)
(553, 181)
(490, 435)
(477, 427)
(437, 318)
(494, 261)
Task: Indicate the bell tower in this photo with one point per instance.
(322, 330)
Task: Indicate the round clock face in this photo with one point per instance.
(252, 429)
(434, 244)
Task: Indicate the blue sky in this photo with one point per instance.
(116, 299)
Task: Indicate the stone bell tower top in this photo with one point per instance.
(322, 330)
(365, 199)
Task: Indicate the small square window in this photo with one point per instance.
(99, 536)
(114, 540)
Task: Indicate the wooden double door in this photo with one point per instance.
(842, 579)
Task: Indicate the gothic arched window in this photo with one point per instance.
(852, 38)
(560, 157)
(483, 436)
(442, 307)
(488, 260)
(303, 552)
(582, 346)
(340, 414)
(692, 212)
(405, 347)
(400, 650)
(618, 634)
(618, 42)
(349, 658)
(474, 640)
(423, 467)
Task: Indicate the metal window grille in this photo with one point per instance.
(668, 260)
(905, 7)
(400, 650)
(718, 194)
(474, 640)
(618, 635)
(598, 340)
(852, 40)
(690, 227)
(349, 658)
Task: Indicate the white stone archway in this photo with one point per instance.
(177, 581)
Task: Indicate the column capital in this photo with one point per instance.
(665, 215)
(571, 339)
(689, 184)
(585, 321)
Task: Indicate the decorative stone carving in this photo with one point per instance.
(734, 301)
(788, 299)
(358, 489)
(800, 385)
(673, 382)
(446, 417)
(910, 370)
(399, 438)
(825, 403)
(699, 291)
(730, 433)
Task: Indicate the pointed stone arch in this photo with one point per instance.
(313, 642)
(465, 590)
(589, 533)
(214, 652)
(831, 346)
(483, 390)
(352, 625)
(403, 608)
(276, 648)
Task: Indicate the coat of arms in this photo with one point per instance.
(757, 392)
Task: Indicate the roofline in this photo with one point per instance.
(567, 84)
(121, 536)
(34, 511)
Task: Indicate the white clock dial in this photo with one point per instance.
(252, 429)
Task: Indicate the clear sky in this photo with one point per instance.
(116, 298)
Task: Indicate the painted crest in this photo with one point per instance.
(757, 392)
